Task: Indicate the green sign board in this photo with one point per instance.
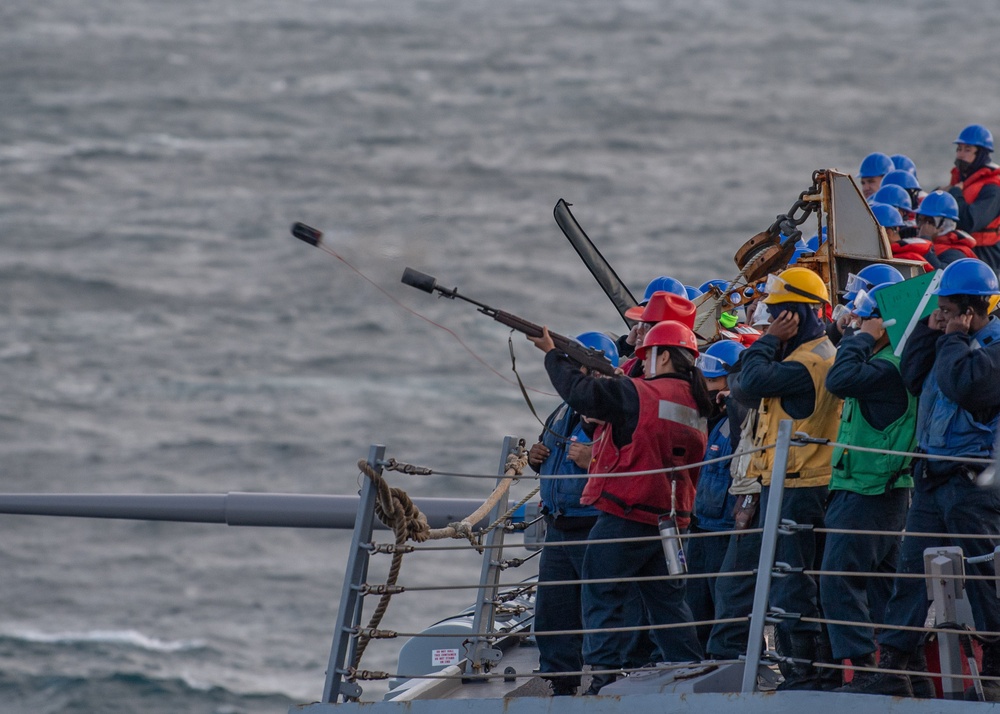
(906, 303)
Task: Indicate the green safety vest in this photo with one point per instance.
(865, 472)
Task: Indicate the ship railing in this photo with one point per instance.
(944, 577)
(480, 648)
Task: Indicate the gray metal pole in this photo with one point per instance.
(768, 544)
(941, 566)
(350, 596)
(480, 651)
(280, 510)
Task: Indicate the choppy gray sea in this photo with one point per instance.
(163, 333)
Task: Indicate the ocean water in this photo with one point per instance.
(165, 334)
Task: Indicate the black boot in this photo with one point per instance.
(801, 674)
(867, 660)
(599, 681)
(829, 677)
(783, 646)
(894, 685)
(923, 687)
(564, 686)
(991, 668)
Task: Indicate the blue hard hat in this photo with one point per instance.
(938, 204)
(902, 162)
(902, 178)
(865, 304)
(714, 282)
(600, 341)
(692, 292)
(718, 358)
(886, 215)
(893, 195)
(876, 164)
(870, 276)
(666, 284)
(805, 246)
(976, 135)
(968, 276)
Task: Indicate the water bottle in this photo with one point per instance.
(672, 550)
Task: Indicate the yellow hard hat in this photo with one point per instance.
(796, 285)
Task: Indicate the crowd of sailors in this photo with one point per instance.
(784, 354)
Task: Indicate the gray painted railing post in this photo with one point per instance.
(944, 568)
(768, 544)
(480, 651)
(351, 601)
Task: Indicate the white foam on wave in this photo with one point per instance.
(129, 638)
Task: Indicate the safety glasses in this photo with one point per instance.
(856, 284)
(710, 365)
(865, 305)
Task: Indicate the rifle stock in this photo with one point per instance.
(592, 359)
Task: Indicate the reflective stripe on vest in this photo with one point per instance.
(685, 416)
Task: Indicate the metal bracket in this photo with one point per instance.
(800, 438)
(788, 526)
(776, 614)
(351, 690)
(781, 570)
(952, 587)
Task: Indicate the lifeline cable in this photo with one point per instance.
(314, 237)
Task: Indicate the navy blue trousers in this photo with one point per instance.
(559, 607)
(798, 592)
(861, 598)
(704, 555)
(956, 506)
(605, 604)
(734, 596)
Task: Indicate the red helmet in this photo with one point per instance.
(668, 333)
(664, 306)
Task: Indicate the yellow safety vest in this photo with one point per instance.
(808, 465)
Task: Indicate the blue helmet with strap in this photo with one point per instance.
(893, 195)
(976, 135)
(718, 358)
(876, 164)
(887, 216)
(600, 341)
(870, 276)
(968, 276)
(865, 305)
(939, 204)
(666, 284)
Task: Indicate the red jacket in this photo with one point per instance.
(669, 433)
(970, 192)
(914, 249)
(955, 240)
